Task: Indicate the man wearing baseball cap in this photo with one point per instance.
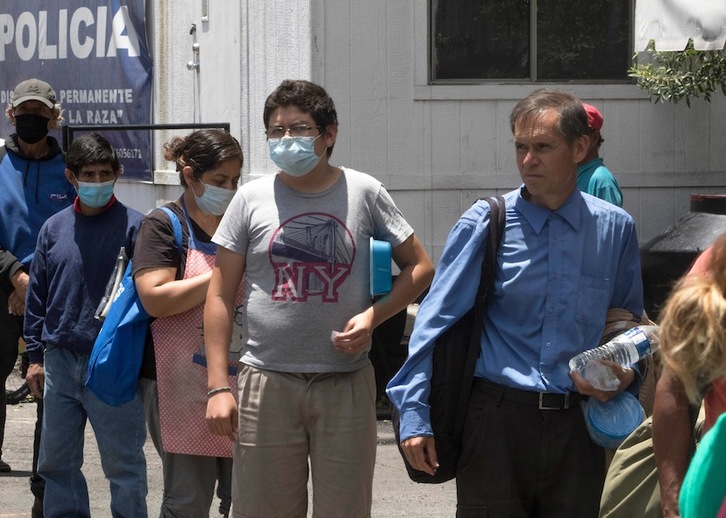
(32, 174)
(592, 175)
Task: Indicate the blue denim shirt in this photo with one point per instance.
(558, 272)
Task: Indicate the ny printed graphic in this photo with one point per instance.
(311, 255)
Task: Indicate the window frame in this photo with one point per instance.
(431, 56)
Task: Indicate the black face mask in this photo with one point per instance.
(31, 128)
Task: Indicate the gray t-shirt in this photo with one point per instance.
(307, 266)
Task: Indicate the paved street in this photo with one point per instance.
(394, 495)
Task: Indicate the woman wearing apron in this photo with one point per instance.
(172, 285)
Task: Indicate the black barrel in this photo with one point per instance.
(665, 258)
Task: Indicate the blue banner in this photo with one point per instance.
(95, 56)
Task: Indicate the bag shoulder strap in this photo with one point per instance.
(497, 215)
(497, 220)
(177, 228)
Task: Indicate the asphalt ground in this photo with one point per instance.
(394, 494)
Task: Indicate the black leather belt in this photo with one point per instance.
(541, 400)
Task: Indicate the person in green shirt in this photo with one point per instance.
(592, 175)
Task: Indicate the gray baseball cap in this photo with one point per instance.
(34, 90)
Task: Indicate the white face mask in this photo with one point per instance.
(294, 155)
(215, 200)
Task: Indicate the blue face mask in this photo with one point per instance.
(294, 155)
(215, 200)
(95, 195)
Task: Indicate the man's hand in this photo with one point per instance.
(222, 415)
(16, 305)
(16, 298)
(20, 280)
(421, 454)
(356, 335)
(584, 387)
(35, 377)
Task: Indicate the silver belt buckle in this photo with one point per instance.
(541, 405)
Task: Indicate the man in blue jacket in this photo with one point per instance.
(74, 258)
(34, 187)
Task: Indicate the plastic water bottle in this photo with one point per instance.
(625, 350)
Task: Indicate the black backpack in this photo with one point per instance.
(455, 354)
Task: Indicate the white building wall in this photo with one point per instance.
(439, 147)
(245, 49)
(435, 147)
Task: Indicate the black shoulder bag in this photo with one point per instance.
(455, 354)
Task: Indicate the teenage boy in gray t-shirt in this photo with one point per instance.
(299, 240)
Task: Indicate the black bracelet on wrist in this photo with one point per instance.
(218, 390)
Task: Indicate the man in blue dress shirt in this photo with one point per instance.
(566, 258)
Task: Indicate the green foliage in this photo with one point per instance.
(672, 76)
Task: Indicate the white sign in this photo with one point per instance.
(670, 23)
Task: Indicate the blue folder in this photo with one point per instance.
(380, 277)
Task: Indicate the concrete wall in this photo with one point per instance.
(435, 147)
(439, 147)
(245, 49)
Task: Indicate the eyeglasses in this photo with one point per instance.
(298, 130)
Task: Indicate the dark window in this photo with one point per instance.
(537, 40)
